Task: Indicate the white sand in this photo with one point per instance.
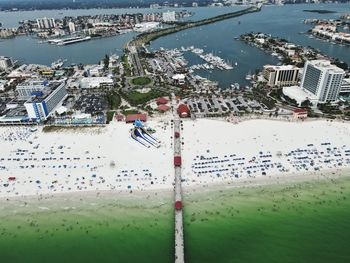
(140, 168)
(96, 148)
(228, 142)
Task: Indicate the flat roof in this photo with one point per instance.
(298, 93)
(52, 86)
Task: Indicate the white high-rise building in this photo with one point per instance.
(5, 63)
(169, 16)
(322, 79)
(46, 23)
(43, 103)
(71, 27)
(281, 75)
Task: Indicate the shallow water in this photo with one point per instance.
(299, 222)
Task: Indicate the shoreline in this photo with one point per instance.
(260, 181)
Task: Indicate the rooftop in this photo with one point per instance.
(52, 86)
(284, 67)
(325, 64)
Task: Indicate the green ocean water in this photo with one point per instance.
(305, 222)
(103, 230)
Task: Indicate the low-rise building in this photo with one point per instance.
(183, 111)
(299, 95)
(345, 87)
(96, 82)
(146, 26)
(25, 89)
(169, 16)
(300, 114)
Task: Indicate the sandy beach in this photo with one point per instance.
(34, 162)
(218, 151)
(85, 159)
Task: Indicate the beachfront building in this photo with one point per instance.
(169, 16)
(130, 118)
(281, 76)
(25, 89)
(299, 114)
(322, 79)
(43, 103)
(183, 111)
(5, 63)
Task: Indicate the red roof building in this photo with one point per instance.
(119, 117)
(300, 113)
(163, 107)
(133, 117)
(177, 161)
(178, 205)
(161, 101)
(183, 111)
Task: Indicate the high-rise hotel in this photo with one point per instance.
(322, 79)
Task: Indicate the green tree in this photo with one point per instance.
(106, 62)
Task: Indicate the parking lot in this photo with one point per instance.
(91, 104)
(218, 105)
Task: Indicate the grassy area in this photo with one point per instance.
(113, 99)
(136, 98)
(129, 111)
(126, 65)
(141, 81)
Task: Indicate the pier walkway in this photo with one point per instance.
(179, 236)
